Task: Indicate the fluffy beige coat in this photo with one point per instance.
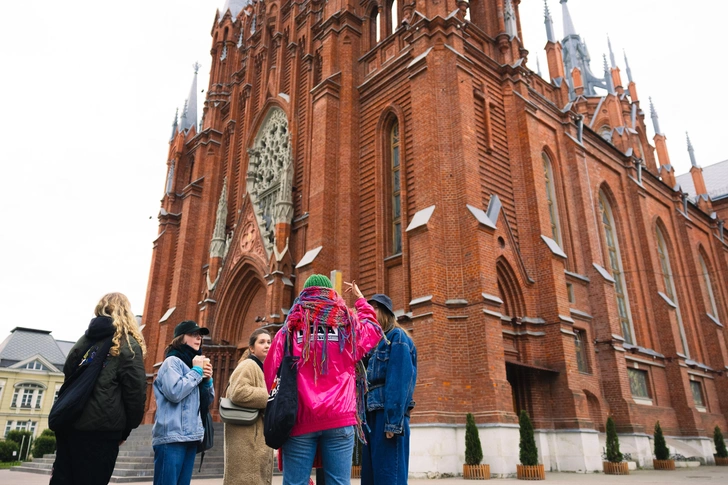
(248, 461)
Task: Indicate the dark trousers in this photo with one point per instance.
(84, 459)
(384, 461)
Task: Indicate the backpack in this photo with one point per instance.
(77, 388)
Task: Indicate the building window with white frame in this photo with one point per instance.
(27, 395)
(35, 365)
(21, 426)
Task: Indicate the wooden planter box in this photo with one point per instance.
(527, 472)
(663, 464)
(621, 468)
(355, 471)
(476, 472)
(721, 461)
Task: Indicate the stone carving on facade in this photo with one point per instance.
(217, 246)
(270, 176)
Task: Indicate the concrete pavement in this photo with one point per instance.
(703, 474)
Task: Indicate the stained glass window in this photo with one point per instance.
(394, 144)
(697, 390)
(638, 383)
(551, 199)
(615, 264)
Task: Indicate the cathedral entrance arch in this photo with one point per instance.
(242, 306)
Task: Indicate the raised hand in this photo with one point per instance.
(354, 289)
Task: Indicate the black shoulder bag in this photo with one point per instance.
(282, 407)
(76, 390)
(209, 436)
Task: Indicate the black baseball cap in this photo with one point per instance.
(189, 326)
(383, 300)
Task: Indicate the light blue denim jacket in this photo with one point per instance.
(391, 375)
(178, 403)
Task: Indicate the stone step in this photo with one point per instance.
(28, 469)
(135, 462)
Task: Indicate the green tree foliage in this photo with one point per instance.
(44, 445)
(473, 450)
(527, 445)
(23, 444)
(6, 451)
(720, 449)
(48, 432)
(661, 451)
(613, 453)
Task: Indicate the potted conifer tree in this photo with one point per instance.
(472, 469)
(662, 459)
(721, 455)
(529, 469)
(614, 464)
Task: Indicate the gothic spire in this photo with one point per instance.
(174, 125)
(549, 22)
(189, 115)
(608, 77)
(183, 119)
(629, 71)
(611, 53)
(691, 151)
(510, 18)
(655, 119)
(235, 7)
(538, 68)
(568, 23)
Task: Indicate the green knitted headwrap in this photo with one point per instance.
(318, 280)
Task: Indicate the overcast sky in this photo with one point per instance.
(89, 90)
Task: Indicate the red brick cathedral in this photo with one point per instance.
(531, 236)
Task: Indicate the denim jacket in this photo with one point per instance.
(391, 375)
(178, 403)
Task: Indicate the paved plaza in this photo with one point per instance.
(703, 474)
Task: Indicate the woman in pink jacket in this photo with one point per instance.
(330, 339)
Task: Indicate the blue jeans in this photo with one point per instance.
(173, 463)
(384, 461)
(336, 444)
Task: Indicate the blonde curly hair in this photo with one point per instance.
(117, 307)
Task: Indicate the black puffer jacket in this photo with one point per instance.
(116, 405)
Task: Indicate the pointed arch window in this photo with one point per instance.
(551, 199)
(606, 133)
(669, 283)
(712, 307)
(615, 264)
(374, 28)
(393, 13)
(395, 178)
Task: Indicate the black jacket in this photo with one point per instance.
(116, 405)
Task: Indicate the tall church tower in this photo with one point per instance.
(404, 144)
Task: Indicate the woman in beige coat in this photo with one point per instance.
(248, 461)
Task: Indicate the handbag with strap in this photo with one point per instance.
(77, 389)
(231, 413)
(282, 407)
